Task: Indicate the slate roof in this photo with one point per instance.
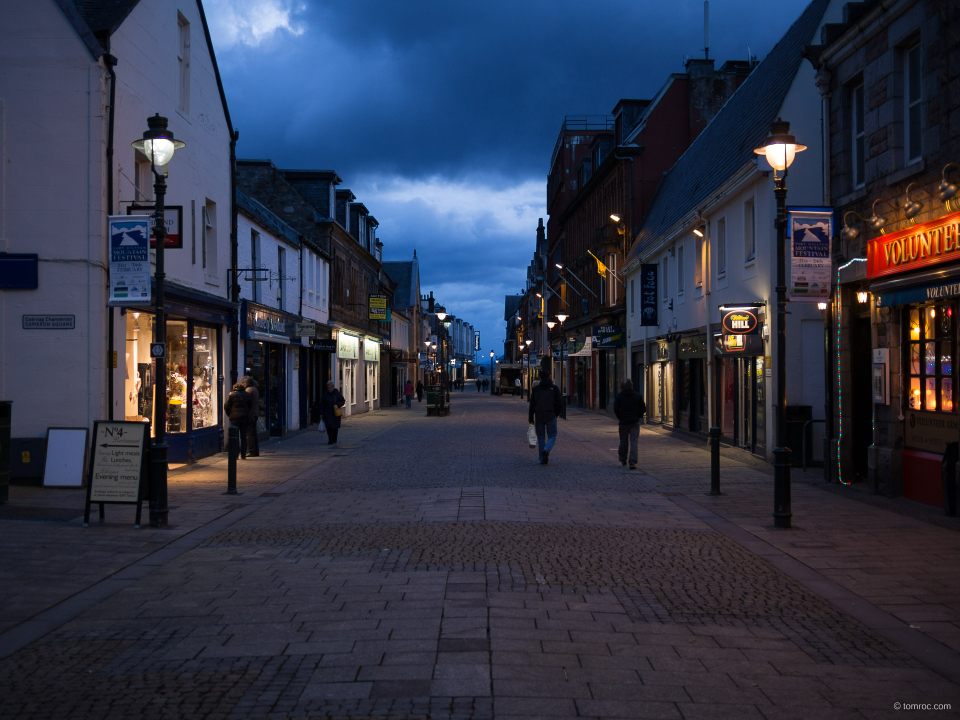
(259, 212)
(726, 144)
(401, 272)
(104, 16)
(511, 303)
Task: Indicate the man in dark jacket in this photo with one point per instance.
(629, 409)
(544, 409)
(237, 408)
(253, 441)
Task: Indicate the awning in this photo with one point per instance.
(917, 287)
(267, 337)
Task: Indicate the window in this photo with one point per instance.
(210, 240)
(698, 265)
(930, 349)
(858, 155)
(633, 295)
(680, 270)
(281, 275)
(749, 231)
(142, 178)
(183, 63)
(721, 247)
(911, 96)
(254, 262)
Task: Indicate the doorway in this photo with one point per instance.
(861, 391)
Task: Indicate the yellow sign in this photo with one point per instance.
(25, 456)
(378, 307)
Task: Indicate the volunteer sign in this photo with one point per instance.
(919, 246)
(129, 260)
(118, 466)
(810, 230)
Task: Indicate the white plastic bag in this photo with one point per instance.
(321, 427)
(532, 436)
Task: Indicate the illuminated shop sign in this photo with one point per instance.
(918, 246)
(740, 320)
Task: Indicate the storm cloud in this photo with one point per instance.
(442, 116)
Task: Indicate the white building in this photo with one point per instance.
(79, 81)
(710, 233)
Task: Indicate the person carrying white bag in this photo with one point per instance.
(545, 406)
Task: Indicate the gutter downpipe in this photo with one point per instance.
(110, 62)
(235, 285)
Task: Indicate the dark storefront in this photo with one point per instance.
(315, 371)
(267, 333)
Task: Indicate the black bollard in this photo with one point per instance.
(233, 450)
(715, 460)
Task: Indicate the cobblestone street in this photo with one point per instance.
(431, 568)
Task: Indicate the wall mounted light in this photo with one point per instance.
(876, 222)
(698, 231)
(849, 232)
(911, 208)
(947, 190)
(615, 217)
(862, 296)
(821, 306)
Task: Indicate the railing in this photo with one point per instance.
(580, 122)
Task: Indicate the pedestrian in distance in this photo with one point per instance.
(408, 393)
(629, 408)
(478, 384)
(419, 391)
(330, 403)
(545, 405)
(237, 408)
(253, 440)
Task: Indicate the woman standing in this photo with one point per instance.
(331, 403)
(237, 408)
(408, 393)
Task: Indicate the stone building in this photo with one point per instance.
(889, 74)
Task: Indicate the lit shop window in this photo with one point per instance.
(930, 346)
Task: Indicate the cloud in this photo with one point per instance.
(251, 22)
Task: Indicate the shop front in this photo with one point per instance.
(371, 369)
(609, 343)
(348, 358)
(660, 374)
(194, 362)
(914, 277)
(741, 377)
(267, 336)
(316, 369)
(692, 407)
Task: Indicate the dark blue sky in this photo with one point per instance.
(441, 116)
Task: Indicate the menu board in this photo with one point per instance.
(118, 465)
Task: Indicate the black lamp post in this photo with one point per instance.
(491, 372)
(780, 149)
(441, 358)
(158, 144)
(563, 396)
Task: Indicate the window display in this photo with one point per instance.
(930, 347)
(204, 377)
(177, 344)
(138, 395)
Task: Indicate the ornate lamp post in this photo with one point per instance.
(563, 397)
(158, 144)
(780, 149)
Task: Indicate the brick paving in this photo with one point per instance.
(430, 568)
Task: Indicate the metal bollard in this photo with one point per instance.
(233, 450)
(715, 460)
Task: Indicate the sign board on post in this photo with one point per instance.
(172, 221)
(378, 308)
(129, 261)
(648, 295)
(608, 336)
(810, 230)
(118, 466)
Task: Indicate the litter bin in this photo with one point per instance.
(5, 410)
(948, 476)
(797, 416)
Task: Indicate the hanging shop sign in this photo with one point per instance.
(476, 340)
(348, 346)
(606, 337)
(648, 294)
(583, 349)
(930, 431)
(118, 466)
(371, 350)
(129, 261)
(663, 351)
(377, 305)
(305, 329)
(693, 347)
(740, 320)
(918, 246)
(738, 345)
(172, 220)
(810, 230)
(323, 344)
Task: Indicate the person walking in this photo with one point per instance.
(419, 391)
(331, 403)
(237, 408)
(408, 393)
(478, 384)
(253, 440)
(629, 408)
(544, 410)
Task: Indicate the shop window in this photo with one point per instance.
(177, 376)
(931, 340)
(205, 400)
(139, 368)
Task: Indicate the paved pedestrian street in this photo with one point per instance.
(431, 568)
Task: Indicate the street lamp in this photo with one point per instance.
(491, 372)
(158, 144)
(563, 398)
(780, 149)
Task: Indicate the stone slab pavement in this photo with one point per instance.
(431, 568)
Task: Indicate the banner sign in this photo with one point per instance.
(810, 230)
(476, 340)
(118, 466)
(348, 346)
(378, 308)
(648, 294)
(585, 349)
(172, 220)
(918, 246)
(930, 431)
(371, 351)
(608, 336)
(129, 261)
(740, 320)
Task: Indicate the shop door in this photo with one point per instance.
(861, 372)
(256, 368)
(727, 396)
(581, 383)
(747, 402)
